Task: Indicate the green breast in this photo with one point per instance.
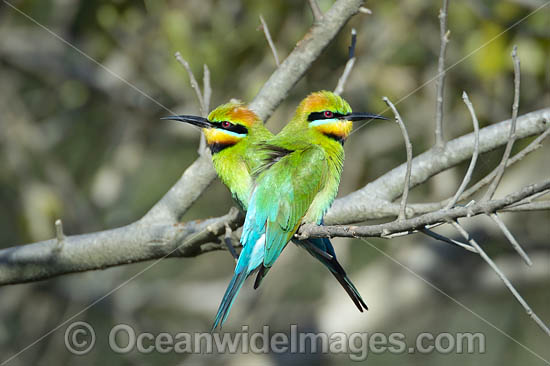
(324, 199)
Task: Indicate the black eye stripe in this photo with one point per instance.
(232, 127)
(314, 116)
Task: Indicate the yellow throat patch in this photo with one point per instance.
(340, 128)
(217, 136)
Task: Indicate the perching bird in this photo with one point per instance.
(296, 183)
(235, 136)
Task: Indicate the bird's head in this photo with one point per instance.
(226, 126)
(326, 113)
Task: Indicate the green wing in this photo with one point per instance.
(284, 191)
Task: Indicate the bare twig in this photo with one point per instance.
(349, 65)
(472, 165)
(206, 96)
(207, 89)
(408, 146)
(227, 239)
(511, 238)
(531, 198)
(386, 234)
(535, 206)
(440, 81)
(443, 238)
(512, 137)
(316, 11)
(202, 144)
(364, 10)
(194, 83)
(502, 276)
(269, 40)
(59, 234)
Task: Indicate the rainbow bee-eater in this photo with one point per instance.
(295, 183)
(235, 136)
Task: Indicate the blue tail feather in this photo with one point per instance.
(228, 298)
(250, 258)
(322, 250)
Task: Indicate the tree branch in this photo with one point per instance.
(140, 241)
(419, 222)
(534, 145)
(535, 206)
(158, 233)
(374, 200)
(175, 203)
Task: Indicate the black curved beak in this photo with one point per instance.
(363, 116)
(194, 120)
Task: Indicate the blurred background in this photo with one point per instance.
(77, 143)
